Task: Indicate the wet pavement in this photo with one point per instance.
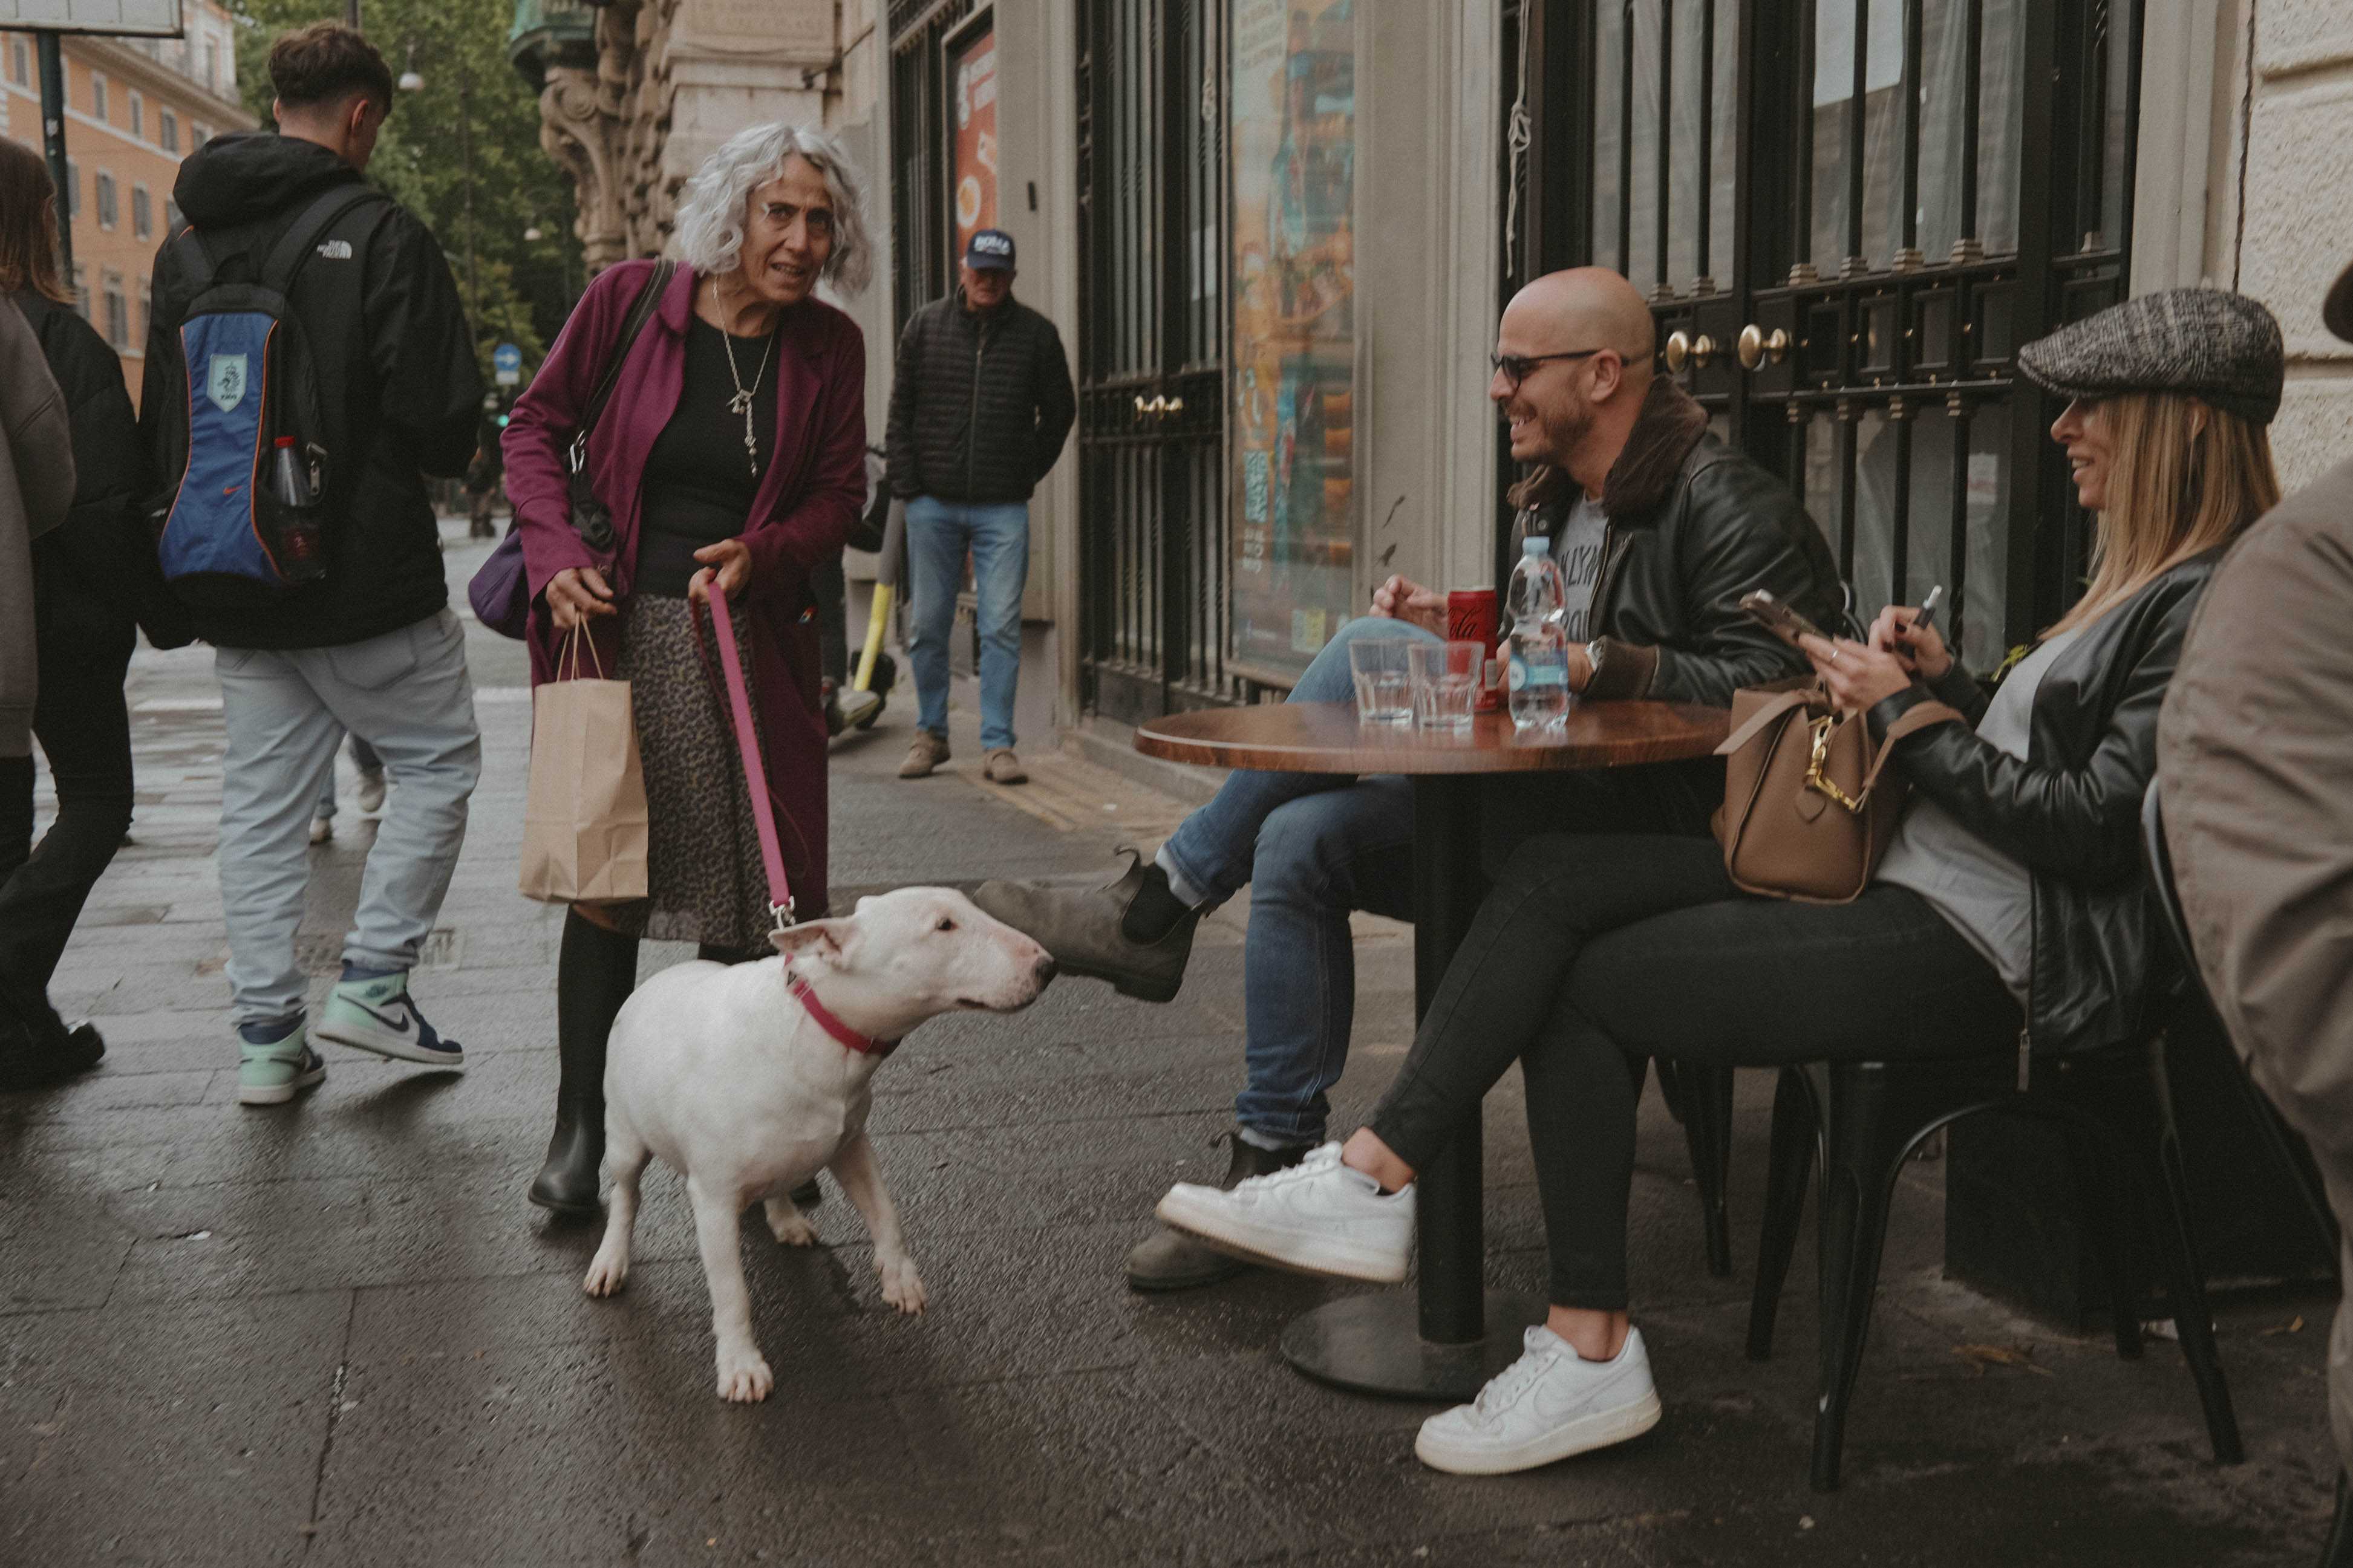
(334, 1334)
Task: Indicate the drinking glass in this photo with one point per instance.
(1384, 685)
(1445, 679)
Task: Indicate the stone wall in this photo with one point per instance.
(674, 78)
(2294, 232)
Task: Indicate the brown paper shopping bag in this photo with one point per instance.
(584, 828)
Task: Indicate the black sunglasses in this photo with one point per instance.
(1516, 367)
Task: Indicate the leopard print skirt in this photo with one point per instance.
(704, 880)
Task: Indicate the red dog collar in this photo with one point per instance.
(833, 1025)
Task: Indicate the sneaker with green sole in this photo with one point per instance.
(271, 1073)
(379, 1015)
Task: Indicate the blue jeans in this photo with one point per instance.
(997, 535)
(1312, 847)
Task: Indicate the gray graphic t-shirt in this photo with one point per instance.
(1577, 548)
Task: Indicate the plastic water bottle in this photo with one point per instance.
(300, 558)
(1537, 671)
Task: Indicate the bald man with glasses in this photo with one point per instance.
(1659, 527)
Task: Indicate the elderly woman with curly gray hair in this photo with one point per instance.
(732, 457)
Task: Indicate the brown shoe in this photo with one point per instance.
(1083, 929)
(1003, 767)
(928, 753)
(1170, 1260)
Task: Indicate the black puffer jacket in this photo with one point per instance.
(1693, 525)
(96, 574)
(2071, 809)
(980, 403)
(397, 376)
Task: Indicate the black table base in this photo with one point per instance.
(1455, 1334)
(1373, 1345)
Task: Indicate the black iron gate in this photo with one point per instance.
(1151, 197)
(1847, 215)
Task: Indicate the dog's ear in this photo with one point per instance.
(820, 939)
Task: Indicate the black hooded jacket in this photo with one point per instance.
(96, 572)
(397, 377)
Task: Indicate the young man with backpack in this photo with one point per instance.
(308, 364)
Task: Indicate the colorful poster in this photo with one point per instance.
(1295, 350)
(972, 71)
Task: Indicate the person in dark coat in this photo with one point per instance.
(732, 456)
(980, 405)
(93, 579)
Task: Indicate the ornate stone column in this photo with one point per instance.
(576, 129)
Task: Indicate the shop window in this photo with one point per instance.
(167, 129)
(143, 214)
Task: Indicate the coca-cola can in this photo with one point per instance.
(1472, 616)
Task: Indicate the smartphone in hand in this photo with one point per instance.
(1765, 609)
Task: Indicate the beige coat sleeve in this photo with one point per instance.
(2255, 771)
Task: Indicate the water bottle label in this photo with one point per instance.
(1522, 674)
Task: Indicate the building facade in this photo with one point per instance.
(1277, 235)
(135, 108)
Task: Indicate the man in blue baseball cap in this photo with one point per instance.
(980, 405)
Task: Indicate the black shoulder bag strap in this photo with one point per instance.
(641, 311)
(590, 516)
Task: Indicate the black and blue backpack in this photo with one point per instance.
(244, 525)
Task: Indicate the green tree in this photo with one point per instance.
(462, 154)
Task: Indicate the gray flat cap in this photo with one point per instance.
(2220, 347)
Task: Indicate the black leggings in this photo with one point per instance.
(1594, 953)
(85, 732)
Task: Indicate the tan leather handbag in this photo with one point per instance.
(1806, 815)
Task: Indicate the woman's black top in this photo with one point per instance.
(698, 482)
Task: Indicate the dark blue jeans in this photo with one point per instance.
(1594, 954)
(1313, 847)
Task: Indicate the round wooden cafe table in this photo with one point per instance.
(1457, 1334)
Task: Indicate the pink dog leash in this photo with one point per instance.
(755, 775)
(764, 818)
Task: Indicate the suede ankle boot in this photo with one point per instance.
(594, 973)
(1170, 1260)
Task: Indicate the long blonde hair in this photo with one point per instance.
(2185, 477)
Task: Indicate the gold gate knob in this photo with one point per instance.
(1756, 348)
(1679, 347)
(1703, 350)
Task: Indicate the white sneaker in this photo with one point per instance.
(1317, 1217)
(371, 790)
(1548, 1404)
(322, 829)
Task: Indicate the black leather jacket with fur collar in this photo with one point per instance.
(1693, 524)
(2071, 808)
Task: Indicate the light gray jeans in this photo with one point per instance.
(406, 694)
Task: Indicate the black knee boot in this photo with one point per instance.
(594, 973)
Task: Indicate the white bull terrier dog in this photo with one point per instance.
(749, 1078)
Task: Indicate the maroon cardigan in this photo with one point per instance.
(809, 497)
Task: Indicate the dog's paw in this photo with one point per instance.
(744, 1377)
(900, 1286)
(607, 1272)
(788, 1224)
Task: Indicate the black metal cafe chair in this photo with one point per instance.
(1859, 1122)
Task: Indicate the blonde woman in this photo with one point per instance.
(2019, 856)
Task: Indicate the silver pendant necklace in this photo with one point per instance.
(742, 401)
